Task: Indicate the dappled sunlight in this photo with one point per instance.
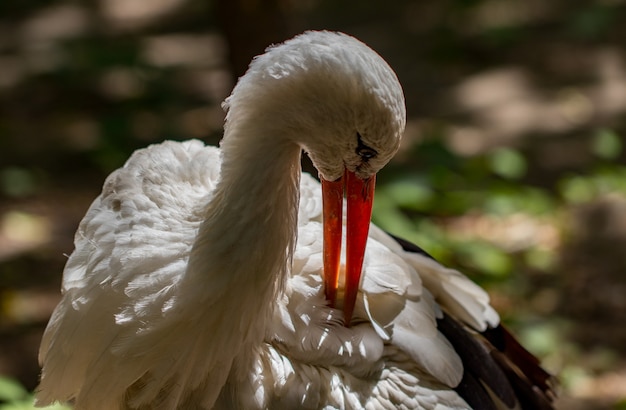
(136, 14)
(610, 95)
(54, 24)
(40, 36)
(494, 14)
(22, 232)
(122, 83)
(513, 233)
(184, 50)
(511, 169)
(506, 104)
(26, 307)
(611, 385)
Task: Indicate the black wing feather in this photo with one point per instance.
(496, 368)
(478, 364)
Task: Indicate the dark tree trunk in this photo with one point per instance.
(249, 27)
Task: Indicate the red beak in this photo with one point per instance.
(360, 195)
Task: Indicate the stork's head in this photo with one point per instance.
(343, 104)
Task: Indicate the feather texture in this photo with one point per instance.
(396, 357)
(194, 285)
(124, 280)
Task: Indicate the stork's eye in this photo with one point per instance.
(366, 153)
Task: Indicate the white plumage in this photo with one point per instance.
(197, 276)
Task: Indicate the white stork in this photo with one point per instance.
(200, 278)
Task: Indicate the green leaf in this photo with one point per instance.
(511, 199)
(486, 258)
(409, 194)
(17, 182)
(542, 339)
(11, 390)
(606, 144)
(577, 189)
(540, 259)
(18, 405)
(507, 163)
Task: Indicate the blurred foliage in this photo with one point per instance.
(82, 86)
(606, 144)
(14, 396)
(422, 206)
(411, 203)
(17, 182)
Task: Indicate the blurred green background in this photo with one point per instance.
(512, 168)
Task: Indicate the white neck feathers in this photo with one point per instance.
(243, 250)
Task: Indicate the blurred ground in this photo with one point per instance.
(512, 167)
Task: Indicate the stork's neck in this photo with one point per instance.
(241, 255)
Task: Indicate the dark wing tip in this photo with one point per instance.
(498, 370)
(505, 372)
(410, 246)
(535, 387)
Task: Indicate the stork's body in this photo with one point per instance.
(198, 275)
